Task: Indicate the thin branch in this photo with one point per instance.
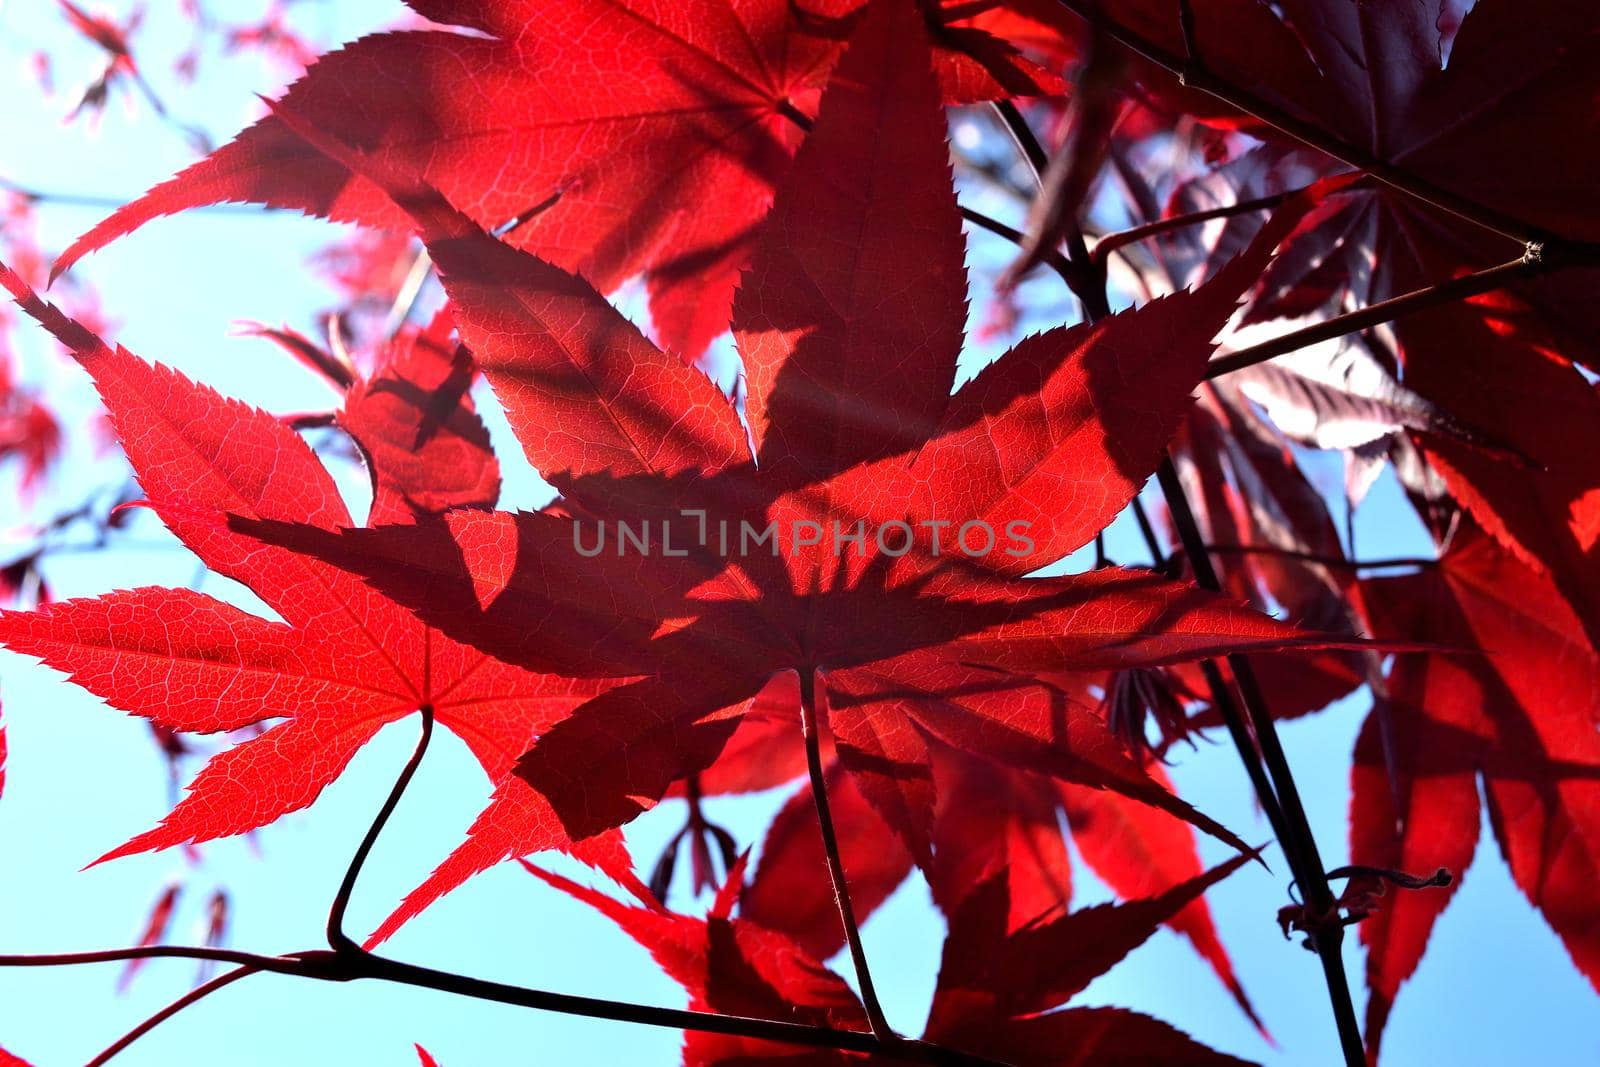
(830, 847)
(1324, 561)
(323, 965)
(337, 938)
(1055, 260)
(904, 1050)
(194, 996)
(1462, 288)
(1021, 134)
(1113, 241)
(292, 964)
(1294, 833)
(1158, 556)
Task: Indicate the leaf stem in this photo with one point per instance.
(194, 996)
(809, 728)
(337, 938)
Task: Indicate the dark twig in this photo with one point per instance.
(1294, 832)
(1021, 135)
(326, 966)
(194, 996)
(276, 964)
(1324, 561)
(1122, 238)
(830, 847)
(1468, 285)
(1053, 259)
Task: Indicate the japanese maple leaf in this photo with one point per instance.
(1249, 493)
(644, 135)
(849, 360)
(344, 661)
(993, 981)
(1519, 716)
(791, 892)
(29, 432)
(1499, 364)
(1373, 75)
(412, 418)
(8, 1060)
(2, 753)
(415, 423)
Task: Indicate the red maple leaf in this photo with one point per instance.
(344, 661)
(645, 136)
(1500, 364)
(414, 421)
(1519, 716)
(1058, 433)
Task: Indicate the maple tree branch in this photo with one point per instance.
(809, 728)
(194, 996)
(276, 964)
(1324, 561)
(337, 938)
(1294, 834)
(1053, 259)
(329, 966)
(1122, 238)
(1467, 285)
(896, 1048)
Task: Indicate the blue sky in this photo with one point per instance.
(1496, 986)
